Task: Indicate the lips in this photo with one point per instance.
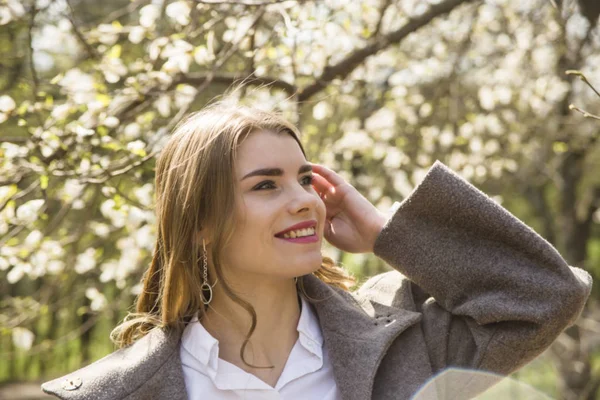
(301, 225)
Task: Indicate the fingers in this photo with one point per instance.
(322, 186)
(328, 174)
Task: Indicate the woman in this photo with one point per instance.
(238, 301)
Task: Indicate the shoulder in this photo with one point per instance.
(392, 289)
(121, 373)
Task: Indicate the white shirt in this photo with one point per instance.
(307, 374)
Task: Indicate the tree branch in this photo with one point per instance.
(34, 76)
(386, 4)
(353, 60)
(130, 8)
(90, 50)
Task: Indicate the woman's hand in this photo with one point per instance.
(352, 222)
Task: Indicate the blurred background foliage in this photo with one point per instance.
(90, 90)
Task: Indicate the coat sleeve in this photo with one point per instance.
(497, 293)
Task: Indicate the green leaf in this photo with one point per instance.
(56, 79)
(139, 152)
(103, 98)
(44, 182)
(115, 51)
(560, 147)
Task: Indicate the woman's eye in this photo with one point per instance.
(264, 185)
(308, 180)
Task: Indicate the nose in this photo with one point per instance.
(302, 200)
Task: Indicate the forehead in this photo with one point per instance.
(268, 149)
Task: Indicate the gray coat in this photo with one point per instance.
(473, 287)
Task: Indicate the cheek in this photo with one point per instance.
(321, 208)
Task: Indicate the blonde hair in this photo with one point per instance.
(194, 190)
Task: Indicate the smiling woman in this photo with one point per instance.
(225, 153)
(238, 301)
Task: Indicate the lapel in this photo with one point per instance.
(148, 369)
(357, 332)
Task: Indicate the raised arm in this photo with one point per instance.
(497, 293)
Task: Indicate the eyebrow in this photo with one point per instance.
(275, 171)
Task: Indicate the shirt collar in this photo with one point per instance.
(205, 348)
(309, 330)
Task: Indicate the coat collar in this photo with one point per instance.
(357, 330)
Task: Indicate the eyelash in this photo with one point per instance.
(261, 185)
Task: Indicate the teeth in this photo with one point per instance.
(299, 233)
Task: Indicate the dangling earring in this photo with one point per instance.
(205, 284)
(295, 279)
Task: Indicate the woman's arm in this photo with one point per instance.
(499, 293)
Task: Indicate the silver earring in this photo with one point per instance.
(205, 284)
(295, 279)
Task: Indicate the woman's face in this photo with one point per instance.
(269, 202)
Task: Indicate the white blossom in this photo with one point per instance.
(354, 140)
(136, 34)
(401, 183)
(487, 98)
(116, 217)
(322, 110)
(86, 261)
(179, 11)
(98, 301)
(100, 229)
(7, 104)
(111, 122)
(11, 150)
(61, 111)
(135, 217)
(148, 15)
(113, 69)
(4, 264)
(132, 131)
(28, 212)
(22, 338)
(144, 194)
(136, 146)
(155, 48)
(145, 237)
(79, 85)
(18, 271)
(163, 105)
(202, 55)
(81, 132)
(55, 266)
(12, 9)
(394, 158)
(107, 34)
(184, 95)
(178, 63)
(33, 238)
(72, 189)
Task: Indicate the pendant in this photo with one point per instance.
(206, 286)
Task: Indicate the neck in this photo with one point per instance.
(277, 310)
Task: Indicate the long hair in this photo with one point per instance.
(194, 190)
